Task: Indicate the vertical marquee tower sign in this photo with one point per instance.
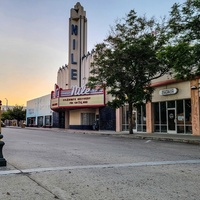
(76, 104)
(77, 44)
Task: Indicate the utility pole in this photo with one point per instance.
(6, 104)
(2, 159)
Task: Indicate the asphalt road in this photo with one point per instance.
(60, 165)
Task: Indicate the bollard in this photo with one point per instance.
(2, 159)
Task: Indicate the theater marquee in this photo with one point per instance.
(77, 97)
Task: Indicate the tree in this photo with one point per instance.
(18, 113)
(127, 61)
(6, 114)
(183, 53)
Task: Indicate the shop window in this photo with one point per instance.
(87, 118)
(144, 128)
(156, 113)
(48, 120)
(180, 112)
(188, 112)
(180, 129)
(163, 113)
(163, 128)
(125, 123)
(31, 121)
(156, 128)
(40, 121)
(188, 122)
(171, 104)
(180, 118)
(141, 118)
(139, 127)
(188, 129)
(156, 117)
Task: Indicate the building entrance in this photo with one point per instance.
(171, 120)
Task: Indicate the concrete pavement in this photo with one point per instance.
(59, 182)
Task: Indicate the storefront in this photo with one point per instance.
(173, 116)
(174, 108)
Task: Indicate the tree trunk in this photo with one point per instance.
(130, 114)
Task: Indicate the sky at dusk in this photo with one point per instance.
(34, 39)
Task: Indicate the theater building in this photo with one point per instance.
(79, 107)
(174, 108)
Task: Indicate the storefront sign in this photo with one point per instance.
(74, 33)
(80, 90)
(169, 91)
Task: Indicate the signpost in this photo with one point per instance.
(2, 159)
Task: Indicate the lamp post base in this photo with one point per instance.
(2, 160)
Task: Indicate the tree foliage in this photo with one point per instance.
(18, 113)
(183, 53)
(129, 59)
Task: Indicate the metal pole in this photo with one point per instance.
(2, 159)
(6, 104)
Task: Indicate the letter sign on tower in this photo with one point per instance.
(77, 43)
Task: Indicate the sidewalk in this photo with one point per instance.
(167, 137)
(183, 138)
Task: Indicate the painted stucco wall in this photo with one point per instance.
(75, 115)
(39, 107)
(183, 92)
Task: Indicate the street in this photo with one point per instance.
(56, 164)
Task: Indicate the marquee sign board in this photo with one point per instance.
(77, 97)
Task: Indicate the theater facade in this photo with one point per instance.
(79, 107)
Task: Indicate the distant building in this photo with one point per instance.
(38, 112)
(5, 107)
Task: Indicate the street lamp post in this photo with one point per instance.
(2, 159)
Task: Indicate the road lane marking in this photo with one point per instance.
(140, 164)
(10, 172)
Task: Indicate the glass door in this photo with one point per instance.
(171, 120)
